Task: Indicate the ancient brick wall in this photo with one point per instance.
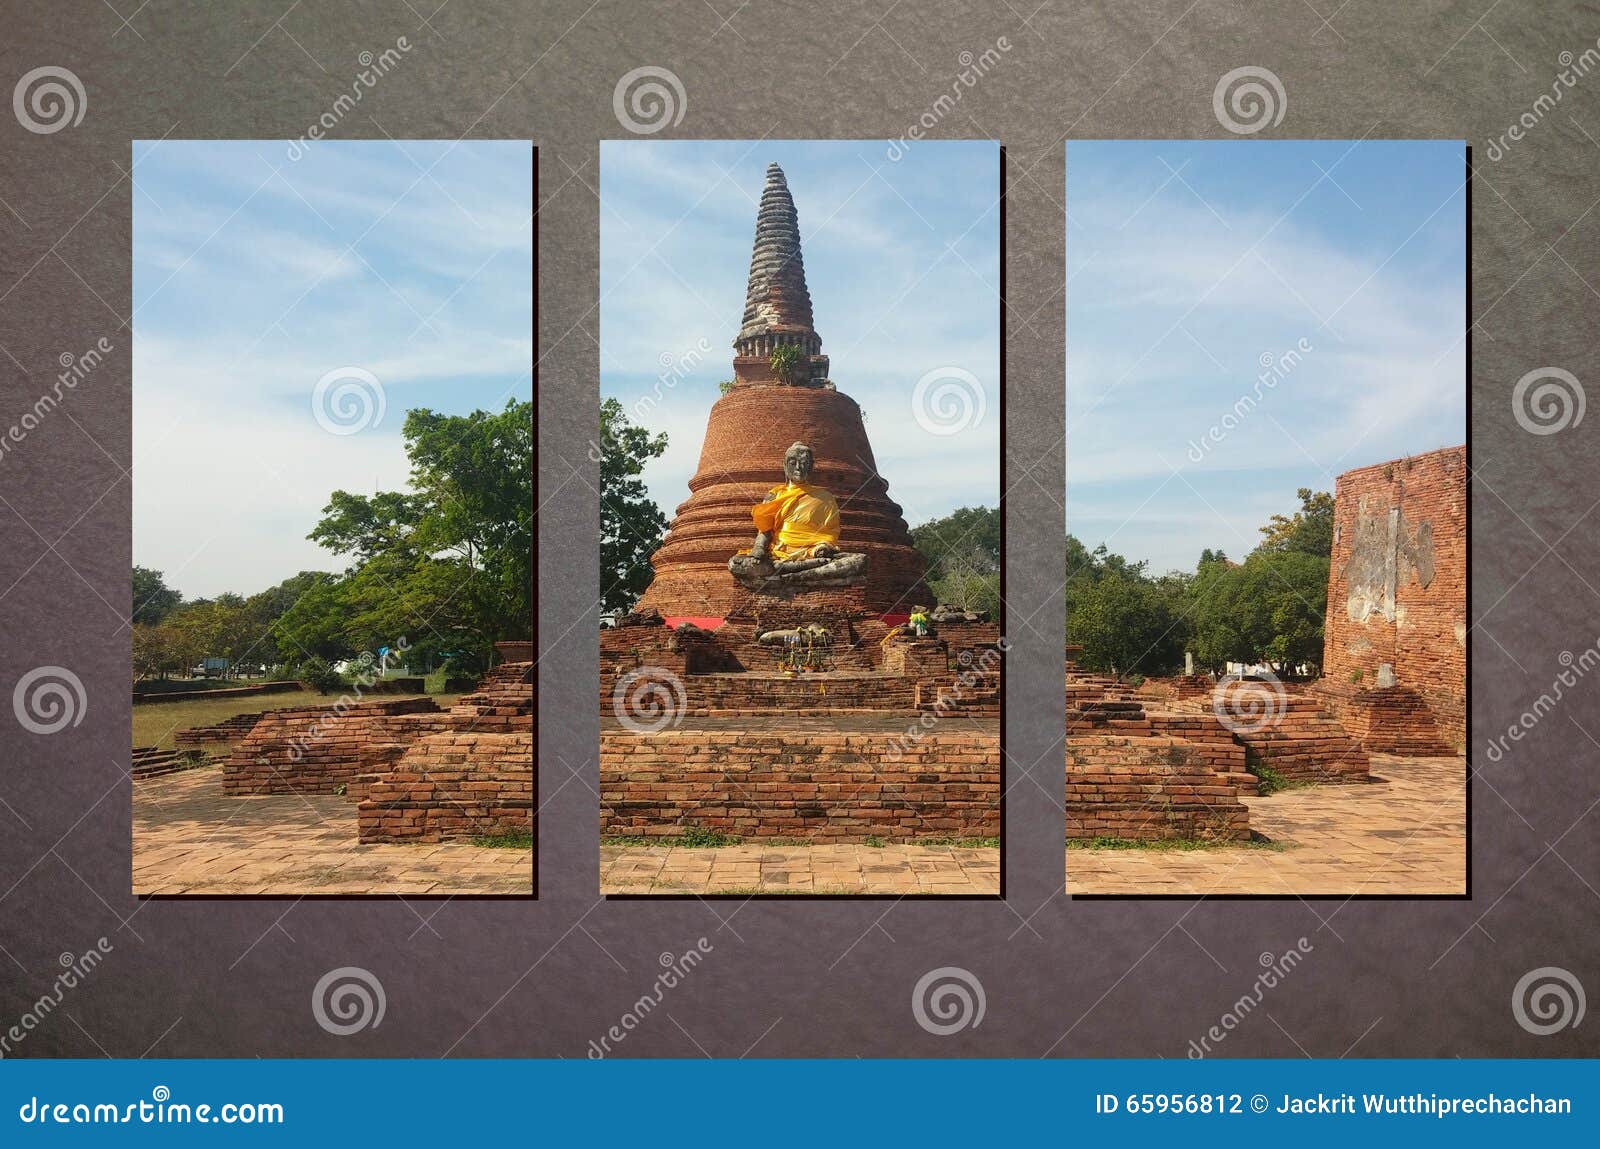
(1150, 788)
(763, 784)
(451, 786)
(1397, 587)
(316, 749)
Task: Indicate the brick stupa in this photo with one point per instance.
(742, 458)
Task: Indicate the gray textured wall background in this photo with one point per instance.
(471, 978)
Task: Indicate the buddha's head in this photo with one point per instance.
(798, 463)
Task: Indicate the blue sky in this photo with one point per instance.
(254, 275)
(902, 261)
(1192, 264)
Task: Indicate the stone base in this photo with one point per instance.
(452, 787)
(1146, 789)
(765, 784)
(1394, 720)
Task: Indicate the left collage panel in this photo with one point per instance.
(333, 535)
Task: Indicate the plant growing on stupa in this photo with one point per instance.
(785, 362)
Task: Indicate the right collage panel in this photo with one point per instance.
(1267, 476)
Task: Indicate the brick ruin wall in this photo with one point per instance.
(415, 772)
(317, 749)
(824, 787)
(449, 786)
(1397, 584)
(1152, 788)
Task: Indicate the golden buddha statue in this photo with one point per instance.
(797, 532)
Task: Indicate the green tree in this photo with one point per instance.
(962, 551)
(631, 525)
(1126, 623)
(153, 599)
(1308, 531)
(447, 564)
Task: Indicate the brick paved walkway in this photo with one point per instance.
(1404, 835)
(799, 870)
(189, 838)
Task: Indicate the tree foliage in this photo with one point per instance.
(631, 525)
(1267, 609)
(962, 550)
(446, 565)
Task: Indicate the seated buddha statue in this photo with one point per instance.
(797, 535)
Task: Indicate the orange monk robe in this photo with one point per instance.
(797, 518)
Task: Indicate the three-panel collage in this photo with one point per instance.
(799, 477)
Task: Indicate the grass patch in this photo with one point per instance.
(1169, 844)
(510, 840)
(1269, 781)
(962, 843)
(694, 837)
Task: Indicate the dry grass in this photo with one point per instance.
(154, 723)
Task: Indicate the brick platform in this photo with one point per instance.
(315, 750)
(819, 786)
(416, 773)
(451, 787)
(1151, 788)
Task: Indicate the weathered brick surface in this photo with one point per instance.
(314, 750)
(1397, 587)
(1146, 788)
(1393, 720)
(764, 784)
(416, 773)
(449, 786)
(701, 673)
(229, 730)
(1288, 730)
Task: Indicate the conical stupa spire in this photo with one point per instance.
(777, 307)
